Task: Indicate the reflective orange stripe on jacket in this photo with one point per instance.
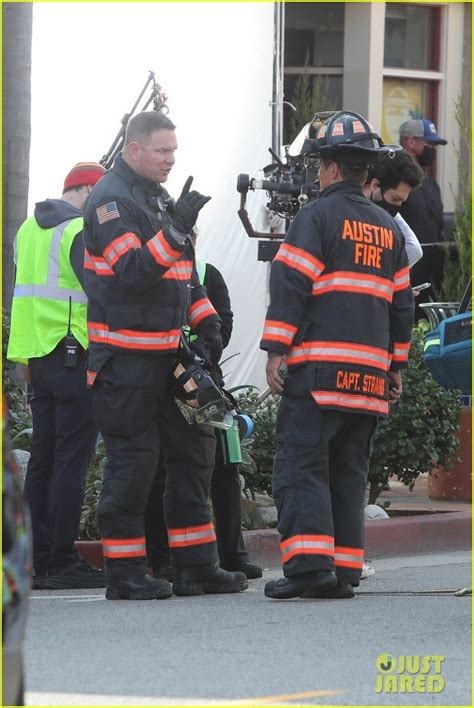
(191, 536)
(300, 260)
(350, 400)
(120, 246)
(133, 339)
(344, 352)
(161, 251)
(402, 279)
(306, 544)
(346, 557)
(123, 547)
(181, 270)
(199, 311)
(401, 351)
(276, 331)
(359, 283)
(97, 264)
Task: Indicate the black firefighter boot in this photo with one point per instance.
(207, 579)
(313, 584)
(138, 587)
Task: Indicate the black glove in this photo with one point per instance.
(187, 208)
(200, 347)
(215, 347)
(208, 346)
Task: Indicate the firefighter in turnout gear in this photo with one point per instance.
(143, 288)
(339, 325)
(225, 482)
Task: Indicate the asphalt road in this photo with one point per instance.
(248, 650)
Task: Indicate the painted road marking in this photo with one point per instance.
(285, 697)
(84, 598)
(37, 698)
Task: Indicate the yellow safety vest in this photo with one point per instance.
(47, 292)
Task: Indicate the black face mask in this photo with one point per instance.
(392, 209)
(426, 157)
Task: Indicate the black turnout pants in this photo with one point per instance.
(63, 439)
(137, 422)
(226, 501)
(319, 482)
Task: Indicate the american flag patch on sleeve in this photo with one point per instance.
(107, 212)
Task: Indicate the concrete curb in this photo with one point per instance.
(386, 538)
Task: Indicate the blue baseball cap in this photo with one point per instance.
(421, 128)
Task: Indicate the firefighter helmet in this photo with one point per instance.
(197, 395)
(349, 137)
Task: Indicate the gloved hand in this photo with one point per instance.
(208, 345)
(187, 208)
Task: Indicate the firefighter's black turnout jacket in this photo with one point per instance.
(341, 299)
(140, 276)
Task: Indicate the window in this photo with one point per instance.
(316, 28)
(404, 99)
(411, 65)
(411, 36)
(314, 57)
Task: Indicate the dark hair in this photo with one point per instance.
(391, 171)
(354, 174)
(146, 123)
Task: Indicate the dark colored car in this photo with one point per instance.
(16, 569)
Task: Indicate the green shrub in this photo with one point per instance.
(420, 432)
(258, 451)
(458, 271)
(19, 416)
(88, 526)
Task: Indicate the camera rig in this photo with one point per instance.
(290, 183)
(159, 99)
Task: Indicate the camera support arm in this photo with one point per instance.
(247, 224)
(159, 104)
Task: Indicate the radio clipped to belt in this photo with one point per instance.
(71, 345)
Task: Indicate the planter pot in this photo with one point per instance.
(455, 484)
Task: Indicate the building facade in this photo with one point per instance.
(387, 61)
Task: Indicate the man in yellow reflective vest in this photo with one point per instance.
(48, 334)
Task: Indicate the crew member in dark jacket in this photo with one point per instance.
(49, 334)
(423, 210)
(340, 317)
(142, 289)
(225, 483)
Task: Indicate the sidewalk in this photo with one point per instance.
(420, 526)
(404, 501)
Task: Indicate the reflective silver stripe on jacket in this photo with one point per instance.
(354, 283)
(200, 310)
(52, 290)
(51, 293)
(340, 352)
(111, 337)
(279, 331)
(298, 259)
(53, 264)
(162, 252)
